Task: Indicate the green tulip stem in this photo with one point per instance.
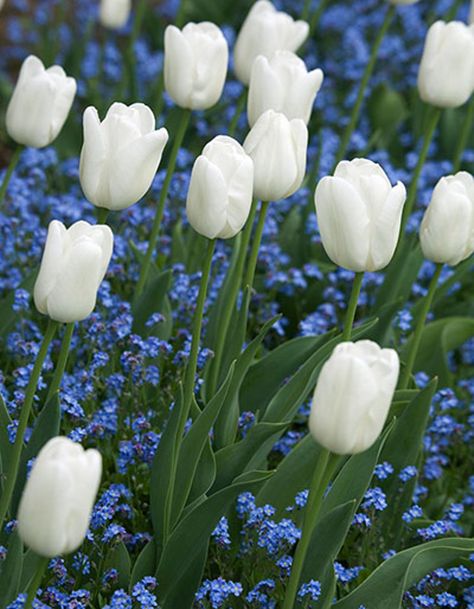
(316, 16)
(352, 306)
(346, 136)
(239, 109)
(257, 239)
(36, 582)
(229, 305)
(306, 10)
(180, 14)
(11, 474)
(62, 360)
(189, 377)
(414, 344)
(427, 139)
(324, 469)
(11, 168)
(185, 117)
(102, 215)
(464, 136)
(130, 51)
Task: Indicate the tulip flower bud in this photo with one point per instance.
(114, 14)
(282, 83)
(40, 103)
(195, 69)
(359, 215)
(220, 192)
(446, 74)
(264, 31)
(277, 147)
(120, 155)
(447, 229)
(353, 396)
(57, 501)
(74, 263)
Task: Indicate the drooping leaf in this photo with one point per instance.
(145, 565)
(118, 558)
(152, 300)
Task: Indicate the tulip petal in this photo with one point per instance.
(53, 257)
(385, 228)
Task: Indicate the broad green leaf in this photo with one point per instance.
(437, 340)
(191, 535)
(186, 583)
(193, 445)
(5, 445)
(205, 474)
(31, 563)
(118, 558)
(10, 574)
(145, 565)
(384, 588)
(151, 301)
(46, 427)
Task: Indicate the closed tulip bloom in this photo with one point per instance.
(74, 263)
(359, 215)
(282, 83)
(57, 501)
(446, 74)
(113, 14)
(120, 155)
(195, 69)
(447, 229)
(220, 192)
(264, 31)
(40, 103)
(353, 396)
(277, 147)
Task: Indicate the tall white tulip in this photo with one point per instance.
(74, 263)
(359, 215)
(353, 396)
(447, 229)
(264, 31)
(114, 14)
(195, 69)
(120, 155)
(282, 83)
(57, 501)
(278, 148)
(220, 192)
(446, 74)
(40, 103)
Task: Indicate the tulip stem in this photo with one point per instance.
(36, 582)
(11, 168)
(257, 239)
(62, 360)
(352, 306)
(197, 326)
(229, 305)
(102, 215)
(466, 132)
(420, 324)
(11, 474)
(185, 117)
(322, 475)
(313, 24)
(427, 139)
(239, 108)
(346, 136)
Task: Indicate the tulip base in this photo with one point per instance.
(11, 168)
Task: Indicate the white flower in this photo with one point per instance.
(74, 263)
(40, 103)
(359, 215)
(120, 155)
(220, 192)
(113, 14)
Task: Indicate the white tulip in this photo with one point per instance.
(220, 193)
(353, 396)
(195, 69)
(114, 14)
(40, 103)
(277, 147)
(74, 263)
(282, 83)
(447, 229)
(58, 498)
(264, 31)
(446, 74)
(359, 215)
(120, 155)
